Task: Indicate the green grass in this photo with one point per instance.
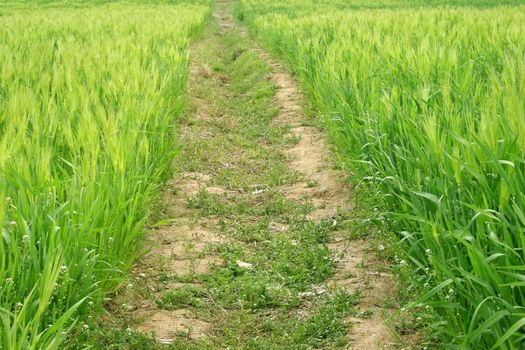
(88, 101)
(424, 101)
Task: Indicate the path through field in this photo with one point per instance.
(253, 248)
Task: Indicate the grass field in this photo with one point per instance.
(89, 95)
(424, 101)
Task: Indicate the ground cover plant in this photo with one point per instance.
(89, 93)
(425, 101)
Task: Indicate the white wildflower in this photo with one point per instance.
(244, 265)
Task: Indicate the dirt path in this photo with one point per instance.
(355, 267)
(253, 250)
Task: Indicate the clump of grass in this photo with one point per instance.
(187, 296)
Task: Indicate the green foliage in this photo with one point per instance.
(21, 5)
(424, 100)
(181, 297)
(88, 99)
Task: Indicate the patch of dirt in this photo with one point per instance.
(180, 249)
(327, 190)
(194, 266)
(166, 325)
(178, 285)
(278, 227)
(370, 333)
(183, 230)
(189, 184)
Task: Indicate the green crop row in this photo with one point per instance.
(427, 102)
(88, 101)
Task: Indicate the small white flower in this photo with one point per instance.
(110, 239)
(428, 251)
(129, 286)
(381, 247)
(63, 269)
(244, 265)
(402, 262)
(9, 280)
